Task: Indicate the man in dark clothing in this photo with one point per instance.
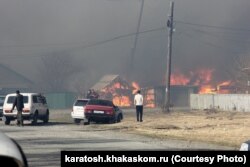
(18, 103)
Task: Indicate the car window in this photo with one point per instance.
(12, 98)
(34, 99)
(1, 103)
(43, 99)
(100, 102)
(94, 102)
(81, 102)
(39, 99)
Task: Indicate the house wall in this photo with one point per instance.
(179, 95)
(224, 102)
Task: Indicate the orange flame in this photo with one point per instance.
(150, 98)
(114, 93)
(202, 78)
(135, 86)
(123, 101)
(179, 79)
(205, 89)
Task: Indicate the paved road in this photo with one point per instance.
(42, 143)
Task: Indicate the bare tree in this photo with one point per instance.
(81, 82)
(242, 73)
(56, 69)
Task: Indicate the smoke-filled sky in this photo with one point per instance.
(208, 34)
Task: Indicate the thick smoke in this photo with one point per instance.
(93, 33)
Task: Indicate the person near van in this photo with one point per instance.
(138, 101)
(18, 103)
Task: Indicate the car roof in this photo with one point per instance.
(101, 100)
(24, 94)
(83, 99)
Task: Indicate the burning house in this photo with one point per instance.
(183, 85)
(113, 87)
(204, 80)
(121, 92)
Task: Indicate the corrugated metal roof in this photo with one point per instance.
(104, 82)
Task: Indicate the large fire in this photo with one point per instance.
(120, 94)
(202, 78)
(123, 101)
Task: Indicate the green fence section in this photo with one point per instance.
(60, 100)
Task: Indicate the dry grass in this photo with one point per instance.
(226, 128)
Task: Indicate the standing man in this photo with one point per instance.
(138, 101)
(18, 103)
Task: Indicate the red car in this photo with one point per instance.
(99, 110)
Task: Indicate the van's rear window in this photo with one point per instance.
(81, 102)
(12, 98)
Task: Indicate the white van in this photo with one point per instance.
(35, 107)
(78, 110)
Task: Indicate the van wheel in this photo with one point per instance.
(86, 122)
(35, 117)
(46, 118)
(6, 120)
(77, 121)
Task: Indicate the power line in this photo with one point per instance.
(212, 26)
(219, 37)
(93, 44)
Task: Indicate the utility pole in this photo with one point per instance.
(168, 73)
(136, 39)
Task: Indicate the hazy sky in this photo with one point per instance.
(208, 34)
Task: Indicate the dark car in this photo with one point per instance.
(99, 110)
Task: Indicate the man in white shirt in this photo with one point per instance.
(138, 102)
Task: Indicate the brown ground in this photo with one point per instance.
(225, 128)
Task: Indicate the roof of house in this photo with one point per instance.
(11, 79)
(107, 80)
